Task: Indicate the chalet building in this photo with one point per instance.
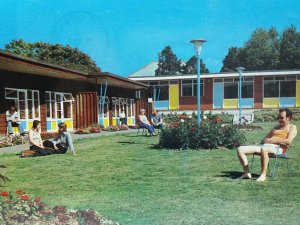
(54, 94)
(220, 91)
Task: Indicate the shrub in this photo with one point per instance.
(211, 134)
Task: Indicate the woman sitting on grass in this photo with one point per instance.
(62, 141)
(35, 140)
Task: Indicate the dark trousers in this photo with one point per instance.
(123, 121)
(150, 128)
(60, 149)
(41, 151)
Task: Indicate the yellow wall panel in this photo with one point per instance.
(298, 93)
(129, 121)
(54, 125)
(69, 124)
(29, 125)
(271, 102)
(230, 103)
(106, 122)
(174, 96)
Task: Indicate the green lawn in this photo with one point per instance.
(124, 178)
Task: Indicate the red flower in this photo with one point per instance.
(20, 192)
(24, 197)
(42, 205)
(5, 193)
(193, 129)
(37, 199)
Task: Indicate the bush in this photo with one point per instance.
(211, 134)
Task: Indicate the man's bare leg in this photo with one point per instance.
(242, 151)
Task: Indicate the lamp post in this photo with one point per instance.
(240, 71)
(198, 44)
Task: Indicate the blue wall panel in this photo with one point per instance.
(287, 102)
(24, 125)
(218, 95)
(161, 105)
(247, 103)
(49, 127)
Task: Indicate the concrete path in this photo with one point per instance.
(20, 148)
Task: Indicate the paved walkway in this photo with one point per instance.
(20, 148)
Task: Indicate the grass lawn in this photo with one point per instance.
(125, 179)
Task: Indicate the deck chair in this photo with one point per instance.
(277, 157)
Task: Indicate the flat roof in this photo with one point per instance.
(20, 64)
(218, 75)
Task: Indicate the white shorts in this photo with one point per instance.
(276, 148)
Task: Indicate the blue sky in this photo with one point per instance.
(124, 35)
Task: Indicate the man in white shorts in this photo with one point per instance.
(276, 142)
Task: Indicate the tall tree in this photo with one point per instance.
(168, 64)
(261, 52)
(66, 56)
(290, 49)
(231, 60)
(190, 67)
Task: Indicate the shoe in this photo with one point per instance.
(154, 134)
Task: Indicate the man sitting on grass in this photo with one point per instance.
(276, 142)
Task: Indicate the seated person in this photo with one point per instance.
(122, 117)
(157, 120)
(144, 123)
(35, 140)
(13, 120)
(62, 141)
(276, 142)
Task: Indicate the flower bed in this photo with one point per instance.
(90, 130)
(48, 135)
(20, 208)
(7, 141)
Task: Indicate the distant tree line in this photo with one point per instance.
(57, 54)
(266, 50)
(168, 64)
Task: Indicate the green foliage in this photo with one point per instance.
(211, 134)
(57, 54)
(231, 60)
(290, 49)
(266, 50)
(168, 64)
(190, 66)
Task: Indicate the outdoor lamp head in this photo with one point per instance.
(240, 69)
(198, 43)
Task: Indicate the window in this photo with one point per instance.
(283, 86)
(33, 104)
(27, 102)
(287, 88)
(189, 88)
(231, 90)
(58, 105)
(247, 90)
(161, 93)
